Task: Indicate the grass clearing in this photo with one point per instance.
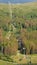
(21, 59)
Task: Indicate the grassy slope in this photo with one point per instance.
(5, 63)
(24, 60)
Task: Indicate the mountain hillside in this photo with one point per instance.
(18, 22)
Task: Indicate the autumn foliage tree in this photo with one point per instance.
(27, 38)
(11, 45)
(1, 40)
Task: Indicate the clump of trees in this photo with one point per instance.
(8, 46)
(29, 41)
